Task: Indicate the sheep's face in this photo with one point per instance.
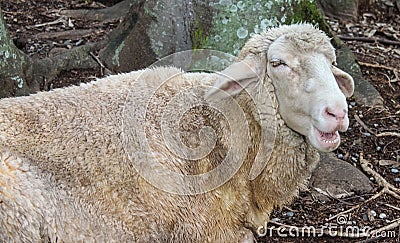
(311, 92)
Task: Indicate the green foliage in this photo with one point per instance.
(308, 11)
(148, 11)
(199, 38)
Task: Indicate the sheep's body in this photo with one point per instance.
(65, 174)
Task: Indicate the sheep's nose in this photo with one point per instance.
(337, 113)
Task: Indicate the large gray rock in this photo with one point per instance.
(337, 178)
(154, 29)
(15, 74)
(343, 9)
(151, 30)
(364, 93)
(232, 22)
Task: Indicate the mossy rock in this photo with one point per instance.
(225, 25)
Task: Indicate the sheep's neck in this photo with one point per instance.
(287, 170)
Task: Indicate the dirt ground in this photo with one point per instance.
(380, 63)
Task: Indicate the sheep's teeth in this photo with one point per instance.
(330, 141)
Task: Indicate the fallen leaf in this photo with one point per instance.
(369, 15)
(388, 3)
(387, 162)
(370, 33)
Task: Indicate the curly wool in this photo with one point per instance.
(64, 170)
(304, 37)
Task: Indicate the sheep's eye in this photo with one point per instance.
(276, 62)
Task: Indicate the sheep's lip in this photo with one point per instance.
(327, 140)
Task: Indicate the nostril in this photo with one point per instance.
(338, 114)
(329, 113)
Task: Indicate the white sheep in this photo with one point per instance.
(69, 158)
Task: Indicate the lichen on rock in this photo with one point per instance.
(234, 21)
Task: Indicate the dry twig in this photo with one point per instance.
(386, 188)
(382, 134)
(394, 70)
(388, 227)
(369, 39)
(356, 206)
(62, 19)
(68, 34)
(391, 206)
(358, 119)
(389, 82)
(103, 68)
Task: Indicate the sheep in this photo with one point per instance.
(90, 162)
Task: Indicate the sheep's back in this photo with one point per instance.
(74, 137)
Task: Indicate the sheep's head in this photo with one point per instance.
(311, 91)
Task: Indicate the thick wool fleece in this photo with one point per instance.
(65, 176)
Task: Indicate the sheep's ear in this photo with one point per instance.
(238, 76)
(344, 80)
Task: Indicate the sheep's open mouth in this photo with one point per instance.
(327, 139)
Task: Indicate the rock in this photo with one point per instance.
(364, 92)
(231, 23)
(129, 47)
(343, 10)
(150, 31)
(337, 178)
(290, 214)
(154, 29)
(16, 76)
(382, 216)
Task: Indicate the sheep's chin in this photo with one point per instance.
(324, 141)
